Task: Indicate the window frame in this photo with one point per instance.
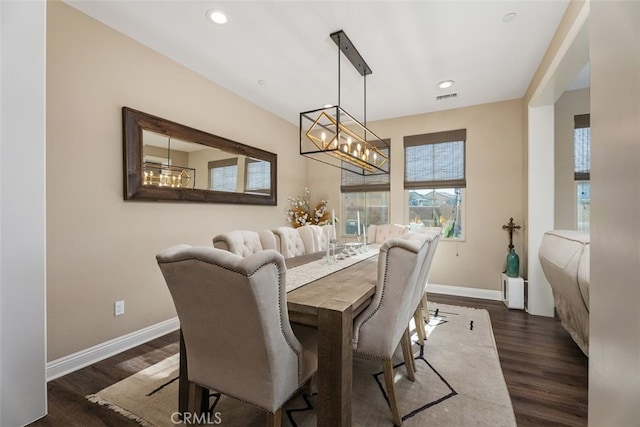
(454, 181)
(222, 163)
(581, 175)
(354, 183)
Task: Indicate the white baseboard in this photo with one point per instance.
(73, 362)
(89, 356)
(461, 291)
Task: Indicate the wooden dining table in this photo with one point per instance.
(330, 304)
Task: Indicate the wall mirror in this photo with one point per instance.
(164, 160)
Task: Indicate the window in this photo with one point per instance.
(223, 175)
(367, 196)
(258, 176)
(434, 181)
(582, 169)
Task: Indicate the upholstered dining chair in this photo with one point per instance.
(288, 242)
(433, 235)
(312, 238)
(380, 233)
(383, 325)
(245, 242)
(235, 325)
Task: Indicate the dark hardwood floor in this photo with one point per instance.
(545, 372)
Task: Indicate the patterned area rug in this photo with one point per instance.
(459, 382)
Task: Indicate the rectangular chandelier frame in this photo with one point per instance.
(332, 136)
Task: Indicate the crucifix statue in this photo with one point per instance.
(510, 227)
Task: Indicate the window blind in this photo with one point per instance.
(357, 183)
(582, 147)
(435, 160)
(223, 175)
(258, 176)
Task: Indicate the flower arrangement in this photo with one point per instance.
(300, 213)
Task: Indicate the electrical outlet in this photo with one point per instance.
(119, 308)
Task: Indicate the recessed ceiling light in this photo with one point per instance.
(446, 84)
(509, 17)
(217, 16)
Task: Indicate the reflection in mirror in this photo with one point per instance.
(180, 163)
(166, 161)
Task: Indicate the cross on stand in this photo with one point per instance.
(510, 227)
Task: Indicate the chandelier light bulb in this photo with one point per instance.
(323, 136)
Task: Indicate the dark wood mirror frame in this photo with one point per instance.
(134, 122)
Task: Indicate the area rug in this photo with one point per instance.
(459, 382)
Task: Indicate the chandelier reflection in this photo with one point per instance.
(163, 175)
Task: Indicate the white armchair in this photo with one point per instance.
(565, 259)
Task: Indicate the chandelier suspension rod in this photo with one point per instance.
(339, 77)
(365, 107)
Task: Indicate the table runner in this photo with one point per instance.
(314, 270)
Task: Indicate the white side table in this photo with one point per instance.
(513, 291)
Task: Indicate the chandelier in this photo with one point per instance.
(331, 135)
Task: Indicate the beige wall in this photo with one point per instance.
(570, 104)
(614, 323)
(493, 194)
(100, 248)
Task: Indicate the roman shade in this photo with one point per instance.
(435, 160)
(582, 147)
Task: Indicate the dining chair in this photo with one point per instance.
(383, 325)
(312, 238)
(381, 232)
(433, 235)
(245, 242)
(288, 242)
(235, 325)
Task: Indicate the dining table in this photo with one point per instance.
(330, 297)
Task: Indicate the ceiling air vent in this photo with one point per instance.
(447, 96)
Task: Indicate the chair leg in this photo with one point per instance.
(419, 321)
(409, 362)
(387, 366)
(425, 307)
(308, 386)
(274, 420)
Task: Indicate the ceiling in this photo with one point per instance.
(278, 54)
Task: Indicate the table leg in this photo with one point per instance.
(335, 363)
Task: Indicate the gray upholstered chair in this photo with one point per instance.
(383, 325)
(244, 242)
(380, 233)
(312, 238)
(288, 242)
(433, 235)
(235, 325)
